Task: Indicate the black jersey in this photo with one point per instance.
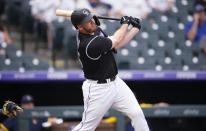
(96, 57)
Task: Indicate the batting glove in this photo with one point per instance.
(96, 20)
(135, 22)
(125, 20)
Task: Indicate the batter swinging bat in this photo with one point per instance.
(68, 13)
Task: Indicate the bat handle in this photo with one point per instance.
(108, 18)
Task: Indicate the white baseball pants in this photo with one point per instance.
(99, 98)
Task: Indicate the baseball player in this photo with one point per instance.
(102, 88)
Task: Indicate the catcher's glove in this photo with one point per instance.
(11, 109)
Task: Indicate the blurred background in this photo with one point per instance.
(164, 65)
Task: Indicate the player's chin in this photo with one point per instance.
(92, 29)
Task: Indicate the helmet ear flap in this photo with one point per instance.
(96, 20)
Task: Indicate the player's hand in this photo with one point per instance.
(135, 22)
(125, 20)
(11, 109)
(96, 20)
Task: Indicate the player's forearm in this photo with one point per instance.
(192, 33)
(119, 35)
(129, 36)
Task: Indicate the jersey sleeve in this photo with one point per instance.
(99, 45)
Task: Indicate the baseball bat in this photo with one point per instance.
(65, 13)
(68, 13)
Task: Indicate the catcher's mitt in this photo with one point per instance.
(11, 109)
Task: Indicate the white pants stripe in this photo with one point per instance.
(98, 98)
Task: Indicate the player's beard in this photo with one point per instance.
(91, 30)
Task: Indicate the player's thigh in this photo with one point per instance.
(98, 92)
(97, 102)
(98, 97)
(125, 100)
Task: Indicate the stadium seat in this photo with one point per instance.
(13, 55)
(195, 47)
(133, 46)
(35, 64)
(145, 25)
(202, 61)
(185, 45)
(11, 65)
(122, 62)
(17, 60)
(154, 15)
(169, 63)
(123, 57)
(163, 32)
(64, 37)
(142, 63)
(11, 47)
(159, 45)
(2, 58)
(109, 27)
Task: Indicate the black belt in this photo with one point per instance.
(106, 80)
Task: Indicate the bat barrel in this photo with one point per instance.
(65, 13)
(68, 13)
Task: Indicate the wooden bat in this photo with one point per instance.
(68, 13)
(65, 13)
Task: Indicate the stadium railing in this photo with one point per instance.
(76, 112)
(61, 112)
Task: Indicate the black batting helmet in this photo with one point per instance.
(80, 16)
